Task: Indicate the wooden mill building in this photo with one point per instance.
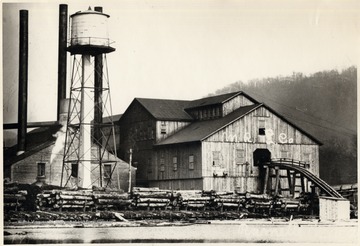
(216, 142)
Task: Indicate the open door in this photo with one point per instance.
(260, 156)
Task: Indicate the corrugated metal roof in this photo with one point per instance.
(201, 129)
(165, 109)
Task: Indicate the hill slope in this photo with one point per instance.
(323, 104)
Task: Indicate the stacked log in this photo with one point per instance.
(14, 198)
(258, 202)
(195, 199)
(15, 201)
(111, 200)
(73, 200)
(45, 200)
(147, 198)
(20, 196)
(229, 200)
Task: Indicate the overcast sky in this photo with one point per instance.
(183, 49)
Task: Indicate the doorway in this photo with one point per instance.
(260, 156)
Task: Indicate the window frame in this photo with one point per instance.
(41, 169)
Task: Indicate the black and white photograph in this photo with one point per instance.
(180, 122)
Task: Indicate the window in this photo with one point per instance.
(205, 113)
(41, 169)
(107, 171)
(283, 154)
(262, 127)
(163, 127)
(240, 156)
(149, 166)
(175, 163)
(74, 170)
(162, 164)
(216, 158)
(191, 162)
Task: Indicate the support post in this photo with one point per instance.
(277, 180)
(293, 185)
(289, 181)
(130, 160)
(267, 173)
(302, 183)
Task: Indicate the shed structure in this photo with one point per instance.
(214, 143)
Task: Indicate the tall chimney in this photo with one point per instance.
(98, 80)
(63, 16)
(23, 81)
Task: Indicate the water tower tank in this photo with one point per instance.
(89, 33)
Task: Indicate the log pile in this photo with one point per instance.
(194, 200)
(229, 200)
(153, 198)
(14, 200)
(81, 200)
(19, 196)
(110, 200)
(65, 200)
(258, 203)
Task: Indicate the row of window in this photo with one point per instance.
(175, 163)
(143, 134)
(41, 170)
(207, 113)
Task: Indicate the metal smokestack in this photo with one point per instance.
(63, 17)
(23, 81)
(98, 93)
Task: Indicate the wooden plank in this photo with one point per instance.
(267, 173)
(289, 181)
(293, 185)
(277, 181)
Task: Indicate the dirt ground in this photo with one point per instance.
(200, 231)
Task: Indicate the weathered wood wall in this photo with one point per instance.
(139, 131)
(235, 103)
(166, 128)
(163, 169)
(242, 136)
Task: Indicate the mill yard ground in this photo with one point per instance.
(199, 231)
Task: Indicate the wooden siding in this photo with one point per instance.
(235, 103)
(163, 165)
(165, 129)
(246, 129)
(137, 132)
(181, 184)
(206, 112)
(280, 139)
(140, 131)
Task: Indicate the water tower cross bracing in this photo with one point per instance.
(89, 143)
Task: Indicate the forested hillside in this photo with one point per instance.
(323, 104)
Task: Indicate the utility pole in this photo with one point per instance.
(130, 160)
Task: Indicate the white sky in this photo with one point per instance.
(183, 49)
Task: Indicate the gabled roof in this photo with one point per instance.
(199, 130)
(115, 118)
(165, 109)
(36, 140)
(217, 100)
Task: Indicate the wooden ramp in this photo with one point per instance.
(299, 170)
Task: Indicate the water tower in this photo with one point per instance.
(89, 142)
